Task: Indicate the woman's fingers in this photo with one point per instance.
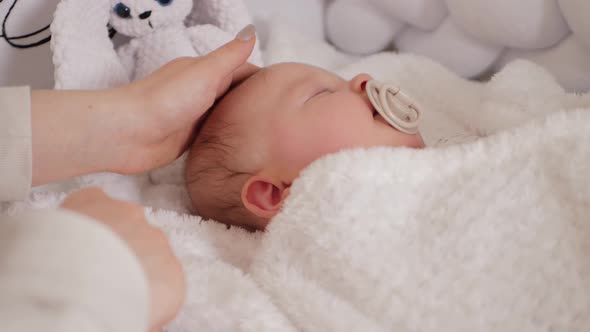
(244, 72)
(172, 99)
(225, 60)
(240, 75)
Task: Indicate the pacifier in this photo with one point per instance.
(395, 106)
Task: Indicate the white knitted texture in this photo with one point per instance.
(471, 37)
(85, 58)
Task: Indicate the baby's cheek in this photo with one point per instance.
(299, 147)
(295, 149)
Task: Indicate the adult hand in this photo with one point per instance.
(135, 128)
(170, 102)
(163, 271)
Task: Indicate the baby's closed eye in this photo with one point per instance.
(320, 93)
(323, 92)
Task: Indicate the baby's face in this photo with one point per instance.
(289, 115)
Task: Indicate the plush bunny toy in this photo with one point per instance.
(159, 34)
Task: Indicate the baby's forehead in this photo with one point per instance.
(289, 73)
(268, 88)
(273, 79)
(289, 68)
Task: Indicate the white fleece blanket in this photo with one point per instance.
(492, 235)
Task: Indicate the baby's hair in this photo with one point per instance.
(213, 181)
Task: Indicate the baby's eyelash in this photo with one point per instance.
(323, 91)
(318, 93)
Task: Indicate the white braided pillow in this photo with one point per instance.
(471, 36)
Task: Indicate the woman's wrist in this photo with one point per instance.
(72, 132)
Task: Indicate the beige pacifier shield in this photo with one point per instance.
(395, 106)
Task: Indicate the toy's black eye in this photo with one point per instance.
(122, 11)
(164, 3)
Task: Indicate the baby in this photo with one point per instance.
(263, 133)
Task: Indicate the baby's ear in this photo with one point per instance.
(263, 196)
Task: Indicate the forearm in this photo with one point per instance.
(69, 135)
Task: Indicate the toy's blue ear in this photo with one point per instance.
(83, 55)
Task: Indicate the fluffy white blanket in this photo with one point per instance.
(492, 235)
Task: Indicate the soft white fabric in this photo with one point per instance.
(490, 236)
(16, 153)
(220, 296)
(470, 36)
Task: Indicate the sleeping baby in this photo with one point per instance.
(265, 131)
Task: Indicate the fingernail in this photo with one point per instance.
(247, 33)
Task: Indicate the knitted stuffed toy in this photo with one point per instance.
(159, 34)
(159, 31)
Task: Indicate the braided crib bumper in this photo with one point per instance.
(471, 37)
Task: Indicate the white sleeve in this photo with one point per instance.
(60, 271)
(15, 143)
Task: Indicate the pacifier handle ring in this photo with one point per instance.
(388, 100)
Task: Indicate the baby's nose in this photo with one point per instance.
(359, 82)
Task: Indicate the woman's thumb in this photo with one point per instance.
(229, 57)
